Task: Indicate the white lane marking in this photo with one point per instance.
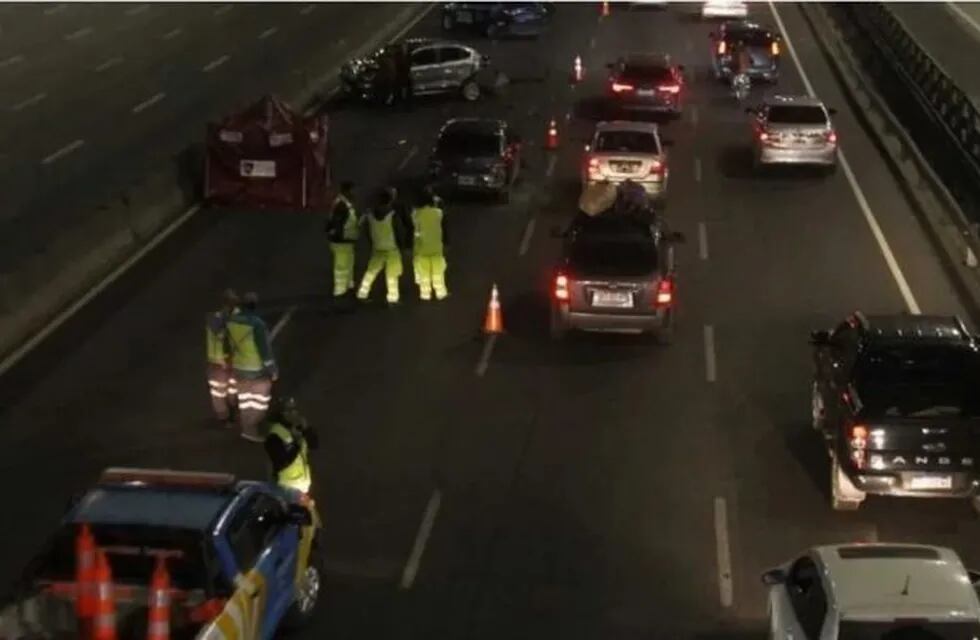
(710, 365)
(689, 45)
(80, 33)
(725, 588)
(58, 8)
(481, 366)
(173, 33)
(550, 169)
(220, 11)
(214, 64)
(268, 32)
(703, 241)
(308, 9)
(869, 216)
(694, 115)
(526, 238)
(138, 9)
(149, 102)
(421, 538)
(408, 157)
(697, 169)
(33, 100)
(108, 64)
(281, 324)
(964, 15)
(592, 43)
(12, 60)
(63, 151)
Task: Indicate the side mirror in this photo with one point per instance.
(774, 577)
(299, 515)
(820, 337)
(556, 232)
(676, 237)
(974, 577)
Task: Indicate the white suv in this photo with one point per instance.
(627, 150)
(873, 592)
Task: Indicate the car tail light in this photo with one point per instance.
(561, 287)
(592, 165)
(619, 87)
(832, 137)
(721, 48)
(775, 48)
(858, 442)
(670, 88)
(657, 168)
(665, 293)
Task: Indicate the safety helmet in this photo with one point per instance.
(286, 409)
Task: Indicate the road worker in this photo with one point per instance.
(342, 231)
(220, 380)
(253, 366)
(429, 259)
(385, 228)
(288, 444)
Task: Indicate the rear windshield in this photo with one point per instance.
(469, 144)
(131, 551)
(610, 257)
(797, 115)
(908, 630)
(920, 383)
(751, 38)
(627, 141)
(646, 73)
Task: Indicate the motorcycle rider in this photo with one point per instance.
(739, 65)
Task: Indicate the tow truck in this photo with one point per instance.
(243, 557)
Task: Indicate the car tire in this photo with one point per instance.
(843, 494)
(470, 90)
(818, 418)
(557, 328)
(301, 611)
(448, 22)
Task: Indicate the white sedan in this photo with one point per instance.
(725, 9)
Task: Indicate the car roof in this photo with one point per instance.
(869, 580)
(627, 125)
(151, 506)
(903, 327)
(490, 126)
(646, 60)
(794, 101)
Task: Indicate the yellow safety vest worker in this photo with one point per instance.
(350, 230)
(216, 338)
(383, 233)
(428, 231)
(295, 475)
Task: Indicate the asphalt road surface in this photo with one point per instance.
(601, 488)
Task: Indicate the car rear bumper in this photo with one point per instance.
(964, 485)
(649, 106)
(825, 156)
(481, 182)
(653, 189)
(768, 74)
(610, 322)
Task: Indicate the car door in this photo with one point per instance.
(425, 69)
(798, 607)
(455, 66)
(279, 544)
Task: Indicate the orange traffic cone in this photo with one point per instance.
(158, 626)
(85, 575)
(605, 9)
(105, 604)
(495, 321)
(551, 140)
(577, 73)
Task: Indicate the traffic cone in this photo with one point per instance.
(577, 73)
(551, 140)
(605, 9)
(105, 605)
(494, 322)
(158, 625)
(85, 575)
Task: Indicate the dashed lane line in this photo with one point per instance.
(268, 32)
(697, 169)
(421, 538)
(869, 216)
(214, 64)
(528, 234)
(108, 64)
(12, 60)
(173, 33)
(57, 155)
(484, 362)
(408, 158)
(281, 324)
(702, 241)
(29, 102)
(149, 102)
(80, 33)
(723, 553)
(710, 364)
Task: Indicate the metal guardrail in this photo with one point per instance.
(939, 117)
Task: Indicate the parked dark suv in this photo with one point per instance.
(476, 155)
(497, 19)
(896, 398)
(646, 82)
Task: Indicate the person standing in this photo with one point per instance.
(431, 238)
(253, 365)
(220, 380)
(385, 227)
(288, 444)
(342, 232)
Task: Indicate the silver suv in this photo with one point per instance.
(793, 130)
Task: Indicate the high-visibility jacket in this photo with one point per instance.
(350, 230)
(251, 349)
(216, 337)
(296, 474)
(383, 236)
(427, 222)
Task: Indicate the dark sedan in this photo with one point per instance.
(476, 155)
(646, 82)
(497, 19)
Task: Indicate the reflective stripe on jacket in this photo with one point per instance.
(296, 474)
(383, 232)
(427, 222)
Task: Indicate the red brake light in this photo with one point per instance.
(665, 292)
(670, 88)
(859, 443)
(656, 167)
(619, 87)
(561, 287)
(832, 137)
(721, 48)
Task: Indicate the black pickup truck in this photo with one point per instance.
(897, 398)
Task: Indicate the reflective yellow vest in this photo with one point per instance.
(216, 335)
(383, 233)
(296, 475)
(351, 230)
(428, 231)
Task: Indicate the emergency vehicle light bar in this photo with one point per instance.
(167, 478)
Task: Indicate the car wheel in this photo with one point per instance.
(471, 91)
(558, 329)
(448, 22)
(817, 410)
(308, 596)
(844, 496)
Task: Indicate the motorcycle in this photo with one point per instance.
(741, 85)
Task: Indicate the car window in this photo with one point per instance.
(253, 528)
(807, 596)
(468, 143)
(627, 141)
(424, 56)
(907, 630)
(612, 257)
(645, 73)
(453, 54)
(753, 38)
(785, 114)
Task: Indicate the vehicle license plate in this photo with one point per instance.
(931, 482)
(464, 17)
(614, 299)
(645, 92)
(257, 168)
(625, 167)
(467, 181)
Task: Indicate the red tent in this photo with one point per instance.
(268, 156)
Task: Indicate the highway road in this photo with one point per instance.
(600, 488)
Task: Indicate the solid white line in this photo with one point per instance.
(108, 64)
(710, 366)
(697, 169)
(408, 157)
(550, 169)
(135, 11)
(81, 33)
(33, 100)
(481, 366)
(703, 241)
(308, 9)
(11, 61)
(220, 11)
(268, 32)
(63, 151)
(279, 326)
(421, 538)
(964, 15)
(526, 239)
(592, 43)
(725, 588)
(149, 102)
(214, 64)
(52, 326)
(896, 271)
(173, 33)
